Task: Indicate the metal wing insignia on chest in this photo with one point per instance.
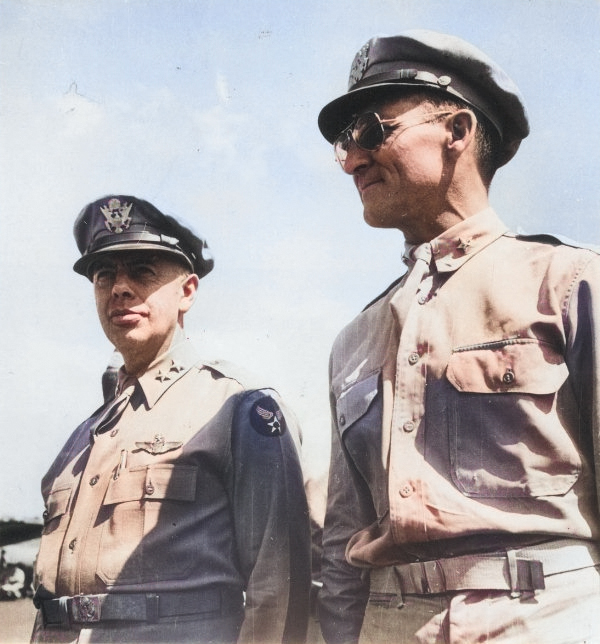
(158, 445)
(266, 417)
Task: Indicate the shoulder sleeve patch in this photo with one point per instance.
(267, 418)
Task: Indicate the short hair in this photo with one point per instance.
(487, 139)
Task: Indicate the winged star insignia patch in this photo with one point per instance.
(158, 445)
(116, 215)
(266, 417)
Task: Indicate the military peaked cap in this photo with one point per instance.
(420, 59)
(118, 223)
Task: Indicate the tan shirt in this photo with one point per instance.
(190, 489)
(468, 408)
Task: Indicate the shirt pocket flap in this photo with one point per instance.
(164, 481)
(355, 401)
(57, 504)
(525, 366)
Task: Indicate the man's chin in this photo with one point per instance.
(377, 220)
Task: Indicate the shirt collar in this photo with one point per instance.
(462, 241)
(166, 370)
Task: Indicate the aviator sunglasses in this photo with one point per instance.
(368, 131)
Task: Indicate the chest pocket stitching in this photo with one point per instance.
(57, 504)
(524, 366)
(153, 482)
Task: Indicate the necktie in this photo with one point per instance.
(113, 409)
(419, 260)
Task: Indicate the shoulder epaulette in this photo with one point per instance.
(555, 240)
(246, 378)
(382, 295)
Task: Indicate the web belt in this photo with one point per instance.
(517, 571)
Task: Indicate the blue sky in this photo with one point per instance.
(208, 109)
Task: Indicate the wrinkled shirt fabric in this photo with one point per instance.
(182, 493)
(465, 410)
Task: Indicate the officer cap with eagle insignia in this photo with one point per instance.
(118, 223)
(422, 59)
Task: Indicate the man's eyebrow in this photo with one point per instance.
(102, 263)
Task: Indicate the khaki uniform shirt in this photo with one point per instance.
(466, 411)
(194, 487)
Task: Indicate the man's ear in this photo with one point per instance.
(189, 287)
(462, 125)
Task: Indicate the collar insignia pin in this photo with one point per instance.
(464, 245)
(176, 368)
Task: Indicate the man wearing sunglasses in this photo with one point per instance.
(462, 503)
(176, 512)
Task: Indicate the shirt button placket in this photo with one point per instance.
(408, 426)
(413, 358)
(406, 490)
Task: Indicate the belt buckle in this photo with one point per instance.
(86, 608)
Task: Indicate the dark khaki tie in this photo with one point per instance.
(420, 267)
(114, 409)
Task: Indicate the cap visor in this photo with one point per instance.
(82, 265)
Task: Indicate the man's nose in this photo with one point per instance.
(356, 158)
(122, 284)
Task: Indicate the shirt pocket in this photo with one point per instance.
(56, 521)
(56, 508)
(143, 516)
(359, 416)
(355, 400)
(505, 435)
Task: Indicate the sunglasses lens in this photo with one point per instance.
(341, 145)
(368, 131)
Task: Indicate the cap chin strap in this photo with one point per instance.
(405, 74)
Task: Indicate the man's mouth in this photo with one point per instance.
(125, 316)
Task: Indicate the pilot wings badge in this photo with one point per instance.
(158, 445)
(116, 215)
(266, 417)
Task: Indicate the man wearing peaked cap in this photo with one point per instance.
(463, 492)
(176, 512)
(126, 223)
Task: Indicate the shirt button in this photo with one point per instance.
(413, 358)
(72, 544)
(406, 490)
(342, 420)
(45, 515)
(94, 480)
(509, 377)
(149, 489)
(114, 432)
(422, 299)
(408, 426)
